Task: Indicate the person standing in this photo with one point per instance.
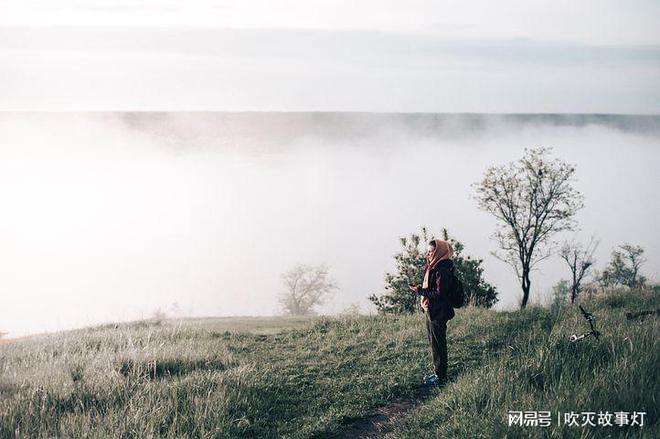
(433, 292)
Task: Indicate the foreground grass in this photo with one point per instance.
(201, 379)
(617, 372)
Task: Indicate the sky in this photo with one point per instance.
(381, 56)
(589, 21)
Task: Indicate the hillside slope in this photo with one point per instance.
(616, 373)
(200, 379)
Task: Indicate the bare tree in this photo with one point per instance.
(533, 199)
(580, 260)
(305, 287)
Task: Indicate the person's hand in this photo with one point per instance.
(425, 303)
(414, 288)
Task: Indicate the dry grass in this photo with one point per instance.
(275, 377)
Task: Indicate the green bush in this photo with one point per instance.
(410, 261)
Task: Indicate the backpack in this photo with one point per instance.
(456, 293)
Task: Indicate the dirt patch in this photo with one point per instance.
(13, 340)
(9, 340)
(382, 420)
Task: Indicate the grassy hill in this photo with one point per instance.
(328, 377)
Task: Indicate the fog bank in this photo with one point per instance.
(110, 216)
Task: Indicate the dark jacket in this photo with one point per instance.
(439, 277)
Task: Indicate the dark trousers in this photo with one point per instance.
(437, 331)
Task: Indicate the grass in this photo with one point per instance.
(276, 377)
(617, 372)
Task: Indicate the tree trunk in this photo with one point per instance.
(525, 287)
(573, 289)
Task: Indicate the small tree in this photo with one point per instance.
(410, 261)
(352, 310)
(580, 260)
(533, 199)
(478, 292)
(397, 298)
(603, 279)
(305, 287)
(560, 293)
(625, 266)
